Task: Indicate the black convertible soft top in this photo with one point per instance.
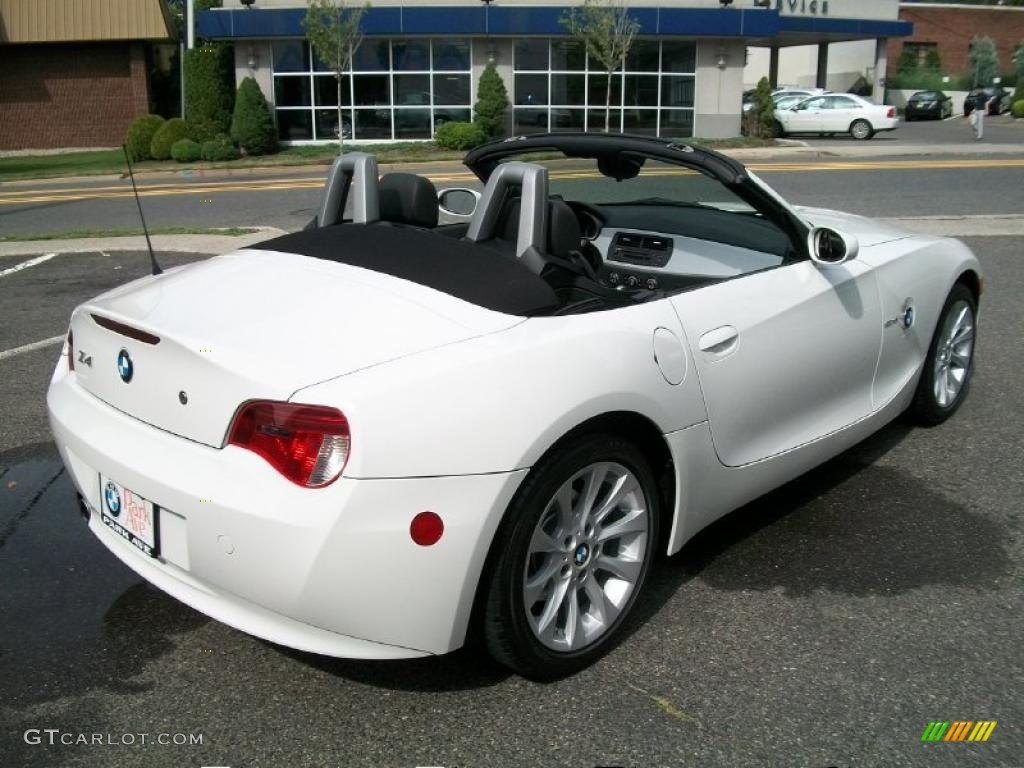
(462, 269)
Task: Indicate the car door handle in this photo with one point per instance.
(720, 341)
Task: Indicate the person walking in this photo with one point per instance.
(978, 115)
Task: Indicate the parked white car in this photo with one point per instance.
(834, 113)
(367, 437)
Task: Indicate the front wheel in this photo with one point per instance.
(778, 131)
(950, 361)
(861, 130)
(573, 554)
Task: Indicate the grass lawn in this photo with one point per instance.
(111, 161)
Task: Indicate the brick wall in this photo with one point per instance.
(953, 29)
(70, 95)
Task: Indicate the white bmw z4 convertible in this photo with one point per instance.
(374, 436)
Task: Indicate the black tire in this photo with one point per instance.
(857, 126)
(507, 632)
(778, 131)
(926, 409)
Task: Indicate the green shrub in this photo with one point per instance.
(763, 111)
(491, 104)
(252, 127)
(459, 135)
(219, 149)
(186, 151)
(1018, 109)
(140, 136)
(172, 131)
(209, 90)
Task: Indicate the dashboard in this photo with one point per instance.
(697, 244)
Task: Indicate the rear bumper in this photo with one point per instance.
(330, 570)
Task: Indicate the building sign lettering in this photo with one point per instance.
(806, 7)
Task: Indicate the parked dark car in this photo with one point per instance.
(928, 105)
(996, 106)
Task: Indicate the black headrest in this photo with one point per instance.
(508, 220)
(564, 232)
(406, 198)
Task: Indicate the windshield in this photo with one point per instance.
(657, 183)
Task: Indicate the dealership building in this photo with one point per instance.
(419, 63)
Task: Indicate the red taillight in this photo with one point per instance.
(308, 444)
(71, 351)
(891, 113)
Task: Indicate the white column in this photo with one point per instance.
(881, 65)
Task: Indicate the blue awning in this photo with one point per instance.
(763, 23)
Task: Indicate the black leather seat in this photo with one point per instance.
(406, 198)
(564, 231)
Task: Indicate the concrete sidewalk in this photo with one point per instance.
(209, 244)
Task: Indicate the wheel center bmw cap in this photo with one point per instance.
(113, 499)
(125, 369)
(581, 555)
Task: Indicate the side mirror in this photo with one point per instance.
(458, 203)
(830, 248)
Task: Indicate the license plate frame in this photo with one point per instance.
(131, 516)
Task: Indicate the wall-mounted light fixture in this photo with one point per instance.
(247, 3)
(721, 59)
(254, 58)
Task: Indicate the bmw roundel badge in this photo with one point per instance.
(113, 499)
(124, 366)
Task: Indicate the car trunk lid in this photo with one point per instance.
(183, 350)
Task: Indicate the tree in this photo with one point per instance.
(334, 32)
(607, 30)
(1018, 63)
(252, 127)
(491, 103)
(932, 60)
(907, 61)
(209, 90)
(984, 60)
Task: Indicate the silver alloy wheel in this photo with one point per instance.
(585, 556)
(860, 129)
(953, 353)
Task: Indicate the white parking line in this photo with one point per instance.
(26, 264)
(53, 340)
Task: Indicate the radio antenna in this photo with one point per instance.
(145, 230)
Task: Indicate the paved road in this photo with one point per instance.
(943, 134)
(287, 198)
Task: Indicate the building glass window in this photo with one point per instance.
(395, 90)
(556, 86)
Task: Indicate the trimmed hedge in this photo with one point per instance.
(219, 149)
(491, 107)
(209, 90)
(459, 136)
(140, 136)
(174, 130)
(186, 151)
(1018, 109)
(252, 127)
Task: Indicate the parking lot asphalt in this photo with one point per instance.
(824, 625)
